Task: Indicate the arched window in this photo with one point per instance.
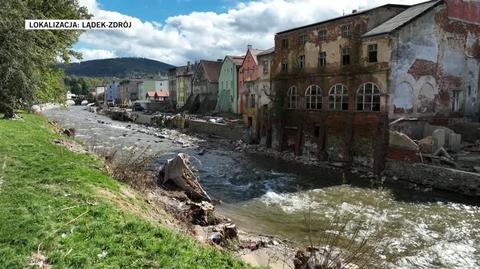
(368, 97)
(338, 98)
(292, 96)
(313, 98)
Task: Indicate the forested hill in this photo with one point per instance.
(117, 67)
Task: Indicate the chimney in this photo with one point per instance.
(249, 47)
(354, 11)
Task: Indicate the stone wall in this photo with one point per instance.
(233, 132)
(436, 177)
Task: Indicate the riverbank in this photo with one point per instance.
(60, 208)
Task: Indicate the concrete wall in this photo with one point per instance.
(437, 177)
(430, 63)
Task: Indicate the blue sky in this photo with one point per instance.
(178, 31)
(160, 10)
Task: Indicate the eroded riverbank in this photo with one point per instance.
(420, 228)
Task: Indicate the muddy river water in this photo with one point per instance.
(414, 228)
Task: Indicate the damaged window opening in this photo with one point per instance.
(346, 31)
(292, 96)
(322, 59)
(456, 101)
(284, 43)
(322, 35)
(284, 65)
(313, 98)
(372, 53)
(338, 98)
(301, 61)
(252, 101)
(265, 67)
(316, 131)
(368, 97)
(346, 56)
(302, 40)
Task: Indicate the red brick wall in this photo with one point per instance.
(247, 72)
(465, 10)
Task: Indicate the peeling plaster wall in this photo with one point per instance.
(430, 65)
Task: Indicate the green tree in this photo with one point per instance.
(28, 57)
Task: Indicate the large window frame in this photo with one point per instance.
(313, 98)
(338, 98)
(368, 97)
(292, 98)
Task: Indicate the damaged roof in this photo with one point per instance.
(265, 52)
(212, 69)
(237, 60)
(402, 18)
(344, 16)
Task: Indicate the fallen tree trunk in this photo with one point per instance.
(178, 171)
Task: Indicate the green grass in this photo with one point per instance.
(49, 200)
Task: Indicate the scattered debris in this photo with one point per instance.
(70, 132)
(70, 145)
(179, 172)
(201, 213)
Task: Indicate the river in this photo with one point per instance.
(411, 227)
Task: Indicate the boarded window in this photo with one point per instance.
(292, 98)
(313, 98)
(338, 98)
(368, 97)
(372, 53)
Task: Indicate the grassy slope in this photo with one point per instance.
(49, 201)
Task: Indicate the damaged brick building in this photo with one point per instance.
(339, 83)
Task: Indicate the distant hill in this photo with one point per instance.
(117, 67)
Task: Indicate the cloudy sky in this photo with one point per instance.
(177, 31)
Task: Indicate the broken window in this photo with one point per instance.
(265, 67)
(284, 43)
(338, 98)
(346, 56)
(372, 53)
(322, 59)
(313, 98)
(292, 96)
(301, 61)
(316, 131)
(284, 65)
(252, 101)
(302, 40)
(368, 97)
(322, 35)
(455, 101)
(346, 31)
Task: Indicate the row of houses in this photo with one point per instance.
(125, 92)
(330, 89)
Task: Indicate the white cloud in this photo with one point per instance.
(92, 54)
(212, 35)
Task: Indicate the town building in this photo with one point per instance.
(249, 91)
(205, 87)
(338, 83)
(146, 86)
(112, 93)
(227, 100)
(156, 96)
(261, 115)
(180, 84)
(128, 91)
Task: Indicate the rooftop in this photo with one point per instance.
(344, 16)
(402, 18)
